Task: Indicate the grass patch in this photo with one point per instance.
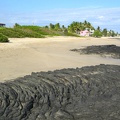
(33, 32)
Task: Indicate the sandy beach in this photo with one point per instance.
(25, 55)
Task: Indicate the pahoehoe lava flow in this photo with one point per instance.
(87, 93)
(103, 50)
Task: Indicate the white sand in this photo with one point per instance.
(25, 55)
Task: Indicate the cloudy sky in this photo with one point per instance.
(103, 13)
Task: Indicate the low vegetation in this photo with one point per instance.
(3, 38)
(20, 32)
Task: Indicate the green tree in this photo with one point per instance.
(16, 25)
(97, 33)
(85, 23)
(57, 26)
(98, 28)
(77, 26)
(104, 32)
(52, 26)
(113, 34)
(71, 28)
(90, 26)
(46, 26)
(63, 27)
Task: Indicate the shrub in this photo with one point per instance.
(3, 38)
(97, 33)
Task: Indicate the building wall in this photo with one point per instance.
(2, 25)
(84, 33)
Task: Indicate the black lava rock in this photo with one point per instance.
(104, 50)
(87, 93)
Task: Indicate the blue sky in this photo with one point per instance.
(103, 13)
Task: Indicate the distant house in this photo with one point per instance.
(91, 32)
(2, 25)
(84, 33)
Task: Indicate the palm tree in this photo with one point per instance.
(98, 28)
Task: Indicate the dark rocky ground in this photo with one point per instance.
(88, 93)
(103, 50)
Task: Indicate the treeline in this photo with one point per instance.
(76, 27)
(21, 31)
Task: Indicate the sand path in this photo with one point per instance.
(25, 55)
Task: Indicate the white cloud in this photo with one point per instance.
(101, 17)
